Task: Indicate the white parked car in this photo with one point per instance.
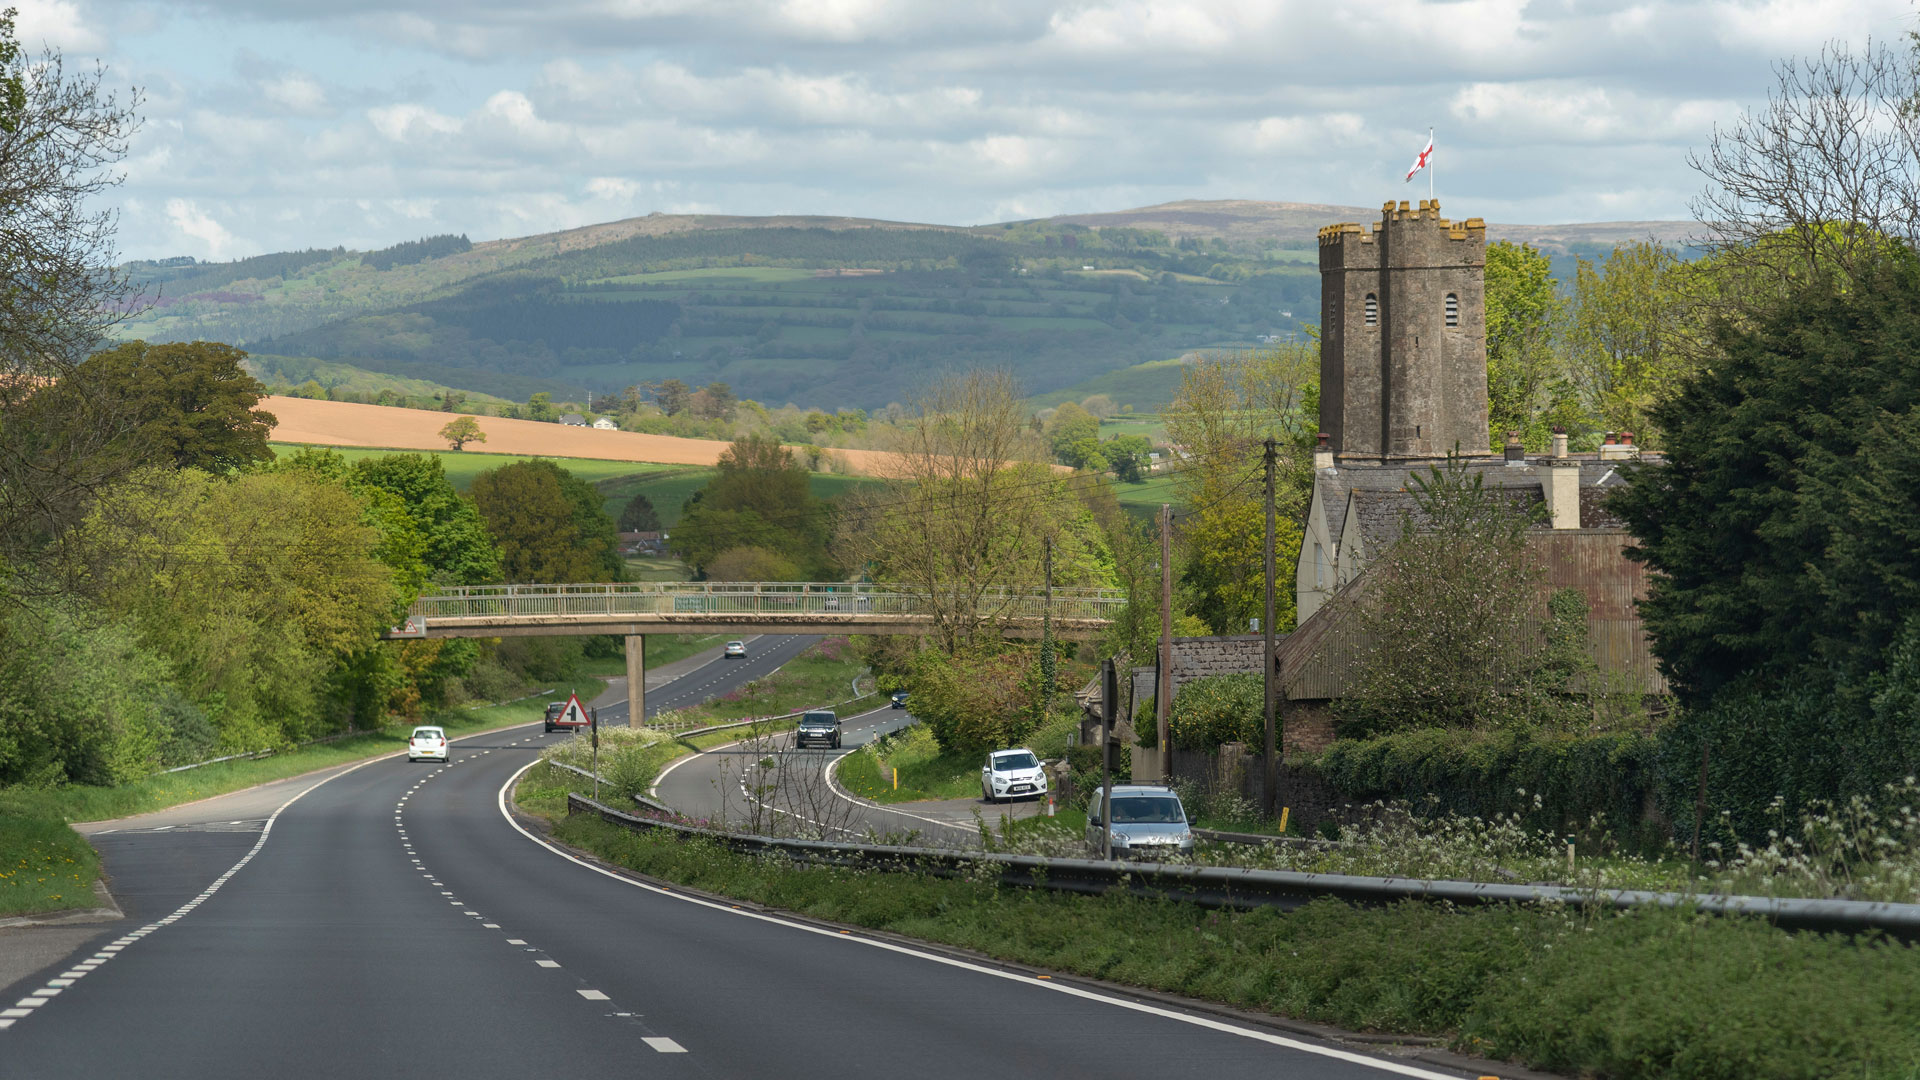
(736, 649)
(1012, 774)
(428, 744)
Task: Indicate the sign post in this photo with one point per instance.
(595, 723)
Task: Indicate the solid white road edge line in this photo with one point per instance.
(266, 830)
(1074, 991)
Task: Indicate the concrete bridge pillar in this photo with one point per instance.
(636, 680)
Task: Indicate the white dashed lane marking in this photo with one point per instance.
(663, 1045)
(547, 963)
(592, 995)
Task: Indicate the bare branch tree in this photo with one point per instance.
(60, 290)
(1821, 178)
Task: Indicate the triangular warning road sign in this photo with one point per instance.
(573, 714)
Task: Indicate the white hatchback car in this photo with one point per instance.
(1012, 774)
(428, 744)
(736, 649)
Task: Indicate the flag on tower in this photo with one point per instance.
(1425, 158)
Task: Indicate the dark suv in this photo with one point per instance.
(820, 727)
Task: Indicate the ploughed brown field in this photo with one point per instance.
(345, 423)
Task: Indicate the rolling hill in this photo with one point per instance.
(831, 312)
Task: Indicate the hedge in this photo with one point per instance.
(1553, 782)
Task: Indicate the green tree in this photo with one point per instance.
(1634, 333)
(1128, 456)
(1527, 390)
(671, 396)
(188, 404)
(254, 588)
(639, 515)
(455, 545)
(759, 497)
(461, 431)
(1782, 530)
(548, 524)
(540, 407)
(1074, 434)
(1444, 620)
(1227, 406)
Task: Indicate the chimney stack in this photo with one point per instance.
(1322, 452)
(1516, 454)
(1559, 443)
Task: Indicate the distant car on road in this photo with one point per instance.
(555, 710)
(820, 727)
(735, 650)
(428, 744)
(1148, 823)
(1012, 774)
(898, 700)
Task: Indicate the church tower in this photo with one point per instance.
(1403, 347)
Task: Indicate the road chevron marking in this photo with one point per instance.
(964, 965)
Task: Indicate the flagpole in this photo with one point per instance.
(1429, 167)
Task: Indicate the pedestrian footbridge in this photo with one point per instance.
(741, 608)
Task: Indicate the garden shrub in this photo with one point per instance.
(1219, 709)
(1560, 783)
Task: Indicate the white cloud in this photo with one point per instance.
(404, 123)
(196, 224)
(296, 92)
(492, 117)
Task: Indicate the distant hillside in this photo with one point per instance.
(830, 312)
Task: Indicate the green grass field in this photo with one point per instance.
(668, 487)
(462, 466)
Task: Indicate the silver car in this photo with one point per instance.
(1148, 823)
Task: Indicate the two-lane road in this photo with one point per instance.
(394, 921)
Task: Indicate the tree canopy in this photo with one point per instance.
(759, 497)
(548, 524)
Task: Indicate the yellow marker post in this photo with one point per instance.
(1283, 819)
(896, 779)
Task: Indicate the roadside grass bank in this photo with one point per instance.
(662, 649)
(928, 772)
(1630, 996)
(629, 764)
(821, 676)
(44, 865)
(34, 830)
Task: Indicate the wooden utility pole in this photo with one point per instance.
(1163, 682)
(1270, 795)
(1109, 705)
(1047, 662)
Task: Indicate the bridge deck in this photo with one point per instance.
(709, 607)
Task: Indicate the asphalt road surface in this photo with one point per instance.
(765, 655)
(720, 785)
(394, 921)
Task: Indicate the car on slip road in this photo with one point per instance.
(1012, 774)
(428, 744)
(820, 727)
(735, 650)
(898, 700)
(1148, 822)
(555, 710)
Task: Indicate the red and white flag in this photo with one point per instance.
(1421, 162)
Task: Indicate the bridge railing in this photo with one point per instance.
(782, 598)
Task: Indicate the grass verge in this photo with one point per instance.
(1633, 996)
(44, 858)
(44, 866)
(630, 771)
(928, 772)
(823, 675)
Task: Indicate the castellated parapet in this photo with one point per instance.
(1403, 350)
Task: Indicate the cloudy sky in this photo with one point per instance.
(278, 124)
